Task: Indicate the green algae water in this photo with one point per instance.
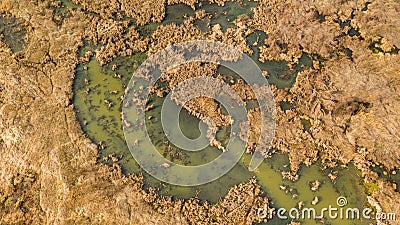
(98, 93)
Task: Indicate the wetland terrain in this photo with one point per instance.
(333, 68)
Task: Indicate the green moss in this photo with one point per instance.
(371, 187)
(306, 124)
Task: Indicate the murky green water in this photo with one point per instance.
(13, 32)
(97, 100)
(103, 124)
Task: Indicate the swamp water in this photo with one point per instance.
(103, 124)
(97, 101)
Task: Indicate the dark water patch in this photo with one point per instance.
(177, 13)
(215, 14)
(286, 105)
(366, 6)
(279, 73)
(354, 32)
(351, 31)
(174, 14)
(225, 15)
(306, 124)
(13, 32)
(391, 176)
(375, 48)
